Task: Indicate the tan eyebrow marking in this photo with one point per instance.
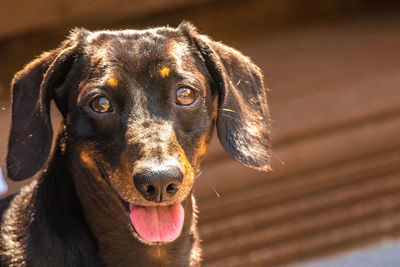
(112, 82)
(164, 71)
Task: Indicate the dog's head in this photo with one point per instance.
(139, 109)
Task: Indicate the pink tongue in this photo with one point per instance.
(157, 224)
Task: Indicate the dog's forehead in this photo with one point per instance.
(138, 45)
(143, 58)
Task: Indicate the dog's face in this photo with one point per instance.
(143, 112)
(142, 116)
(138, 110)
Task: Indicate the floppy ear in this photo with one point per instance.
(243, 123)
(32, 89)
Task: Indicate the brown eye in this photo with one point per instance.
(101, 104)
(185, 96)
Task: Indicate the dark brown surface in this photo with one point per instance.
(335, 102)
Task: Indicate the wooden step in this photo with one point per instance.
(369, 212)
(338, 238)
(274, 191)
(280, 213)
(312, 202)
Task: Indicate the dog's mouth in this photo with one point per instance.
(157, 223)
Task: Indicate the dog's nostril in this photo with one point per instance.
(172, 188)
(150, 190)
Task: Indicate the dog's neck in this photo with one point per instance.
(58, 234)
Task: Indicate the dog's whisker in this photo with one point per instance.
(200, 173)
(215, 191)
(278, 158)
(213, 188)
(227, 109)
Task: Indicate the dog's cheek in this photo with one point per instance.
(81, 128)
(195, 128)
(200, 151)
(122, 182)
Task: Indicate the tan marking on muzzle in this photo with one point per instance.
(87, 157)
(121, 180)
(201, 150)
(87, 160)
(188, 173)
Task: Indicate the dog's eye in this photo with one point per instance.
(101, 104)
(185, 96)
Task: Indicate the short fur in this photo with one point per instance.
(76, 213)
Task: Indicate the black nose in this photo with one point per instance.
(158, 185)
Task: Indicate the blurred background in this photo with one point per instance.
(333, 72)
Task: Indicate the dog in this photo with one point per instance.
(138, 110)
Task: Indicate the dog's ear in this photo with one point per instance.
(32, 90)
(243, 123)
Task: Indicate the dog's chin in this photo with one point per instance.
(156, 225)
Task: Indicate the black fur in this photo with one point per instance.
(76, 213)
